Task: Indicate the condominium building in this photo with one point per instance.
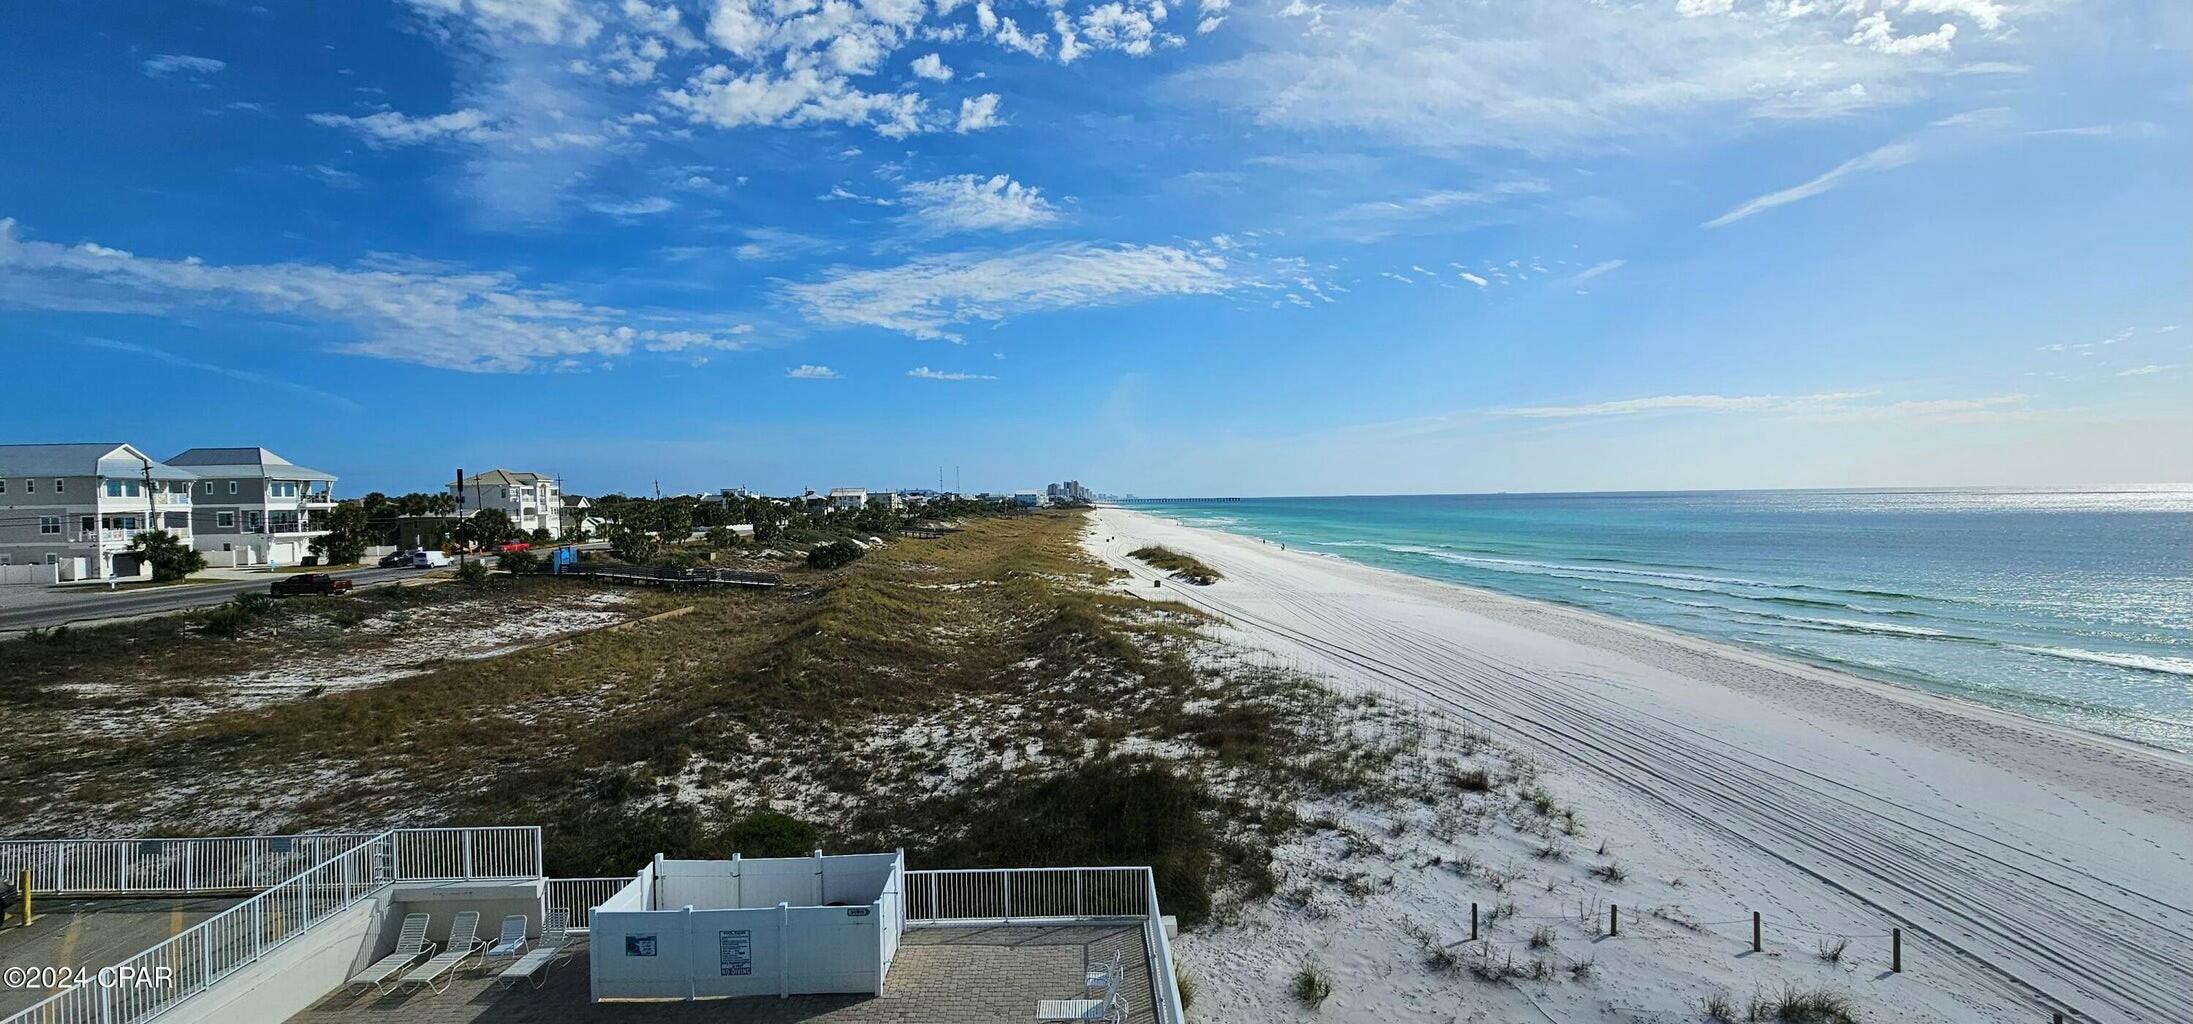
(254, 507)
(78, 507)
(532, 501)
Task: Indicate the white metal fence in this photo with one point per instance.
(1052, 895)
(1027, 895)
(581, 895)
(223, 864)
(147, 984)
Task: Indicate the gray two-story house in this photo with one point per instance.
(253, 507)
(77, 507)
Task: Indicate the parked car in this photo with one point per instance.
(429, 560)
(396, 559)
(310, 583)
(513, 545)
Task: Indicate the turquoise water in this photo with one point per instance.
(2072, 606)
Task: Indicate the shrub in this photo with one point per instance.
(231, 619)
(1181, 566)
(1796, 1006)
(473, 573)
(770, 834)
(834, 554)
(170, 559)
(1311, 986)
(632, 545)
(519, 562)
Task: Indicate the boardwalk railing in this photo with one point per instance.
(148, 984)
(1051, 896)
(581, 895)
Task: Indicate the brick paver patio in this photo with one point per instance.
(940, 976)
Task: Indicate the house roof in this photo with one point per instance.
(502, 478)
(254, 462)
(847, 492)
(106, 458)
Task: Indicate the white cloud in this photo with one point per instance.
(389, 128)
(1893, 155)
(925, 373)
(1878, 33)
(932, 67)
(721, 97)
(540, 21)
(642, 207)
(1986, 14)
(250, 377)
(1474, 279)
(926, 297)
(1842, 403)
(1555, 76)
(977, 113)
(2147, 371)
(1596, 269)
(430, 314)
(970, 202)
(182, 64)
(809, 371)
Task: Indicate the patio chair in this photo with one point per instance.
(547, 953)
(1101, 975)
(464, 944)
(411, 947)
(1110, 1009)
(510, 943)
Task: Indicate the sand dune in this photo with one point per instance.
(2032, 869)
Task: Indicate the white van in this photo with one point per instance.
(429, 560)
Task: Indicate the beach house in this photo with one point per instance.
(531, 500)
(253, 507)
(848, 499)
(74, 509)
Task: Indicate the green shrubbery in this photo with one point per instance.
(834, 554)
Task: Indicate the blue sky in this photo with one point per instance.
(1218, 246)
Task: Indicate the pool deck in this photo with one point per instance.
(88, 934)
(980, 975)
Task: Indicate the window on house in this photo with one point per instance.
(29, 486)
(59, 485)
(3, 487)
(122, 489)
(49, 525)
(86, 524)
(232, 487)
(282, 488)
(225, 520)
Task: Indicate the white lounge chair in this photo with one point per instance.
(534, 965)
(510, 943)
(411, 947)
(464, 944)
(1100, 976)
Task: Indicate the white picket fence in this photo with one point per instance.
(1025, 896)
(146, 985)
(115, 867)
(581, 895)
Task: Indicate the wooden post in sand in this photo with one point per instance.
(1755, 931)
(1896, 950)
(1473, 922)
(1614, 919)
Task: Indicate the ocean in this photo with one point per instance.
(2070, 606)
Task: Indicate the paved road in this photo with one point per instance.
(88, 934)
(45, 607)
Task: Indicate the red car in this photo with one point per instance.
(310, 583)
(513, 545)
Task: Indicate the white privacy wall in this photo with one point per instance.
(717, 929)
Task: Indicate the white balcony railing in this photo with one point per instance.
(1009, 896)
(154, 981)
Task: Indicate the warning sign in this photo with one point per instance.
(735, 952)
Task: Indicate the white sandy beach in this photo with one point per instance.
(2032, 869)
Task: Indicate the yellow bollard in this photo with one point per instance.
(24, 887)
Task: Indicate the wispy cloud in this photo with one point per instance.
(2148, 371)
(1596, 269)
(182, 64)
(430, 314)
(246, 376)
(1896, 154)
(1865, 403)
(388, 128)
(927, 296)
(810, 371)
(925, 373)
(642, 207)
(970, 202)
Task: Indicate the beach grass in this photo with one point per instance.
(1182, 566)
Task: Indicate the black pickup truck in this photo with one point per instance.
(310, 583)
